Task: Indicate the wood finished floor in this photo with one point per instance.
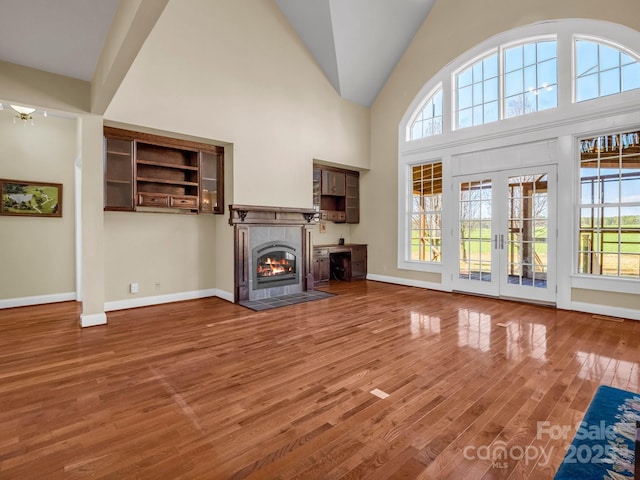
(206, 389)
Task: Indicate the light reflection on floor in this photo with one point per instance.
(518, 338)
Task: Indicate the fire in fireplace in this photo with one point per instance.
(274, 265)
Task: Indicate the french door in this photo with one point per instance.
(506, 232)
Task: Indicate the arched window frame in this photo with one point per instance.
(428, 98)
(600, 42)
(567, 123)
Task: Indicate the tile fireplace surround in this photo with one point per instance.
(255, 226)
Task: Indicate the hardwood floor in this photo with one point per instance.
(206, 389)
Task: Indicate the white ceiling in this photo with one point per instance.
(357, 43)
(58, 36)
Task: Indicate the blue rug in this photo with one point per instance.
(604, 443)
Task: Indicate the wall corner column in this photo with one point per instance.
(92, 218)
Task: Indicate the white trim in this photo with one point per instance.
(606, 310)
(224, 295)
(169, 298)
(407, 282)
(93, 320)
(421, 106)
(77, 198)
(561, 126)
(605, 284)
(37, 300)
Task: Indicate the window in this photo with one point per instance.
(477, 93)
(609, 235)
(530, 78)
(429, 120)
(602, 70)
(426, 212)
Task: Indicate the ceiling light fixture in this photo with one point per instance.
(24, 113)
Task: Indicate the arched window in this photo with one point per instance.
(428, 121)
(524, 77)
(530, 78)
(483, 111)
(477, 93)
(603, 70)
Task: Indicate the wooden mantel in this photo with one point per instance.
(259, 215)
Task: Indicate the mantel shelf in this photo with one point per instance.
(261, 215)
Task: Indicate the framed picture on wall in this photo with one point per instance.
(32, 199)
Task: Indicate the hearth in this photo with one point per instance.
(274, 264)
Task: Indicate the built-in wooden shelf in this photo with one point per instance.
(166, 165)
(165, 181)
(146, 170)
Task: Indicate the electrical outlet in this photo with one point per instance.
(133, 288)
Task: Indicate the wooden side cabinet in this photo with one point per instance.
(333, 183)
(341, 262)
(336, 194)
(358, 262)
(321, 266)
(146, 170)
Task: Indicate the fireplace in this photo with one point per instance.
(274, 264)
(272, 251)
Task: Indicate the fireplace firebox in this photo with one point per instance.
(274, 264)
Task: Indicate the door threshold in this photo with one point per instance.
(541, 303)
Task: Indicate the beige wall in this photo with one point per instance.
(453, 27)
(38, 254)
(609, 299)
(236, 72)
(172, 250)
(233, 72)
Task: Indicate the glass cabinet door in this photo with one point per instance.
(118, 174)
(211, 182)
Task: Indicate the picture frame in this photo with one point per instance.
(30, 199)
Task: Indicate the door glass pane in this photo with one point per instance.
(527, 238)
(475, 231)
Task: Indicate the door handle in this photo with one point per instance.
(495, 241)
(501, 241)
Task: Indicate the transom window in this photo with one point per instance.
(426, 212)
(429, 120)
(530, 78)
(519, 79)
(609, 234)
(477, 93)
(603, 70)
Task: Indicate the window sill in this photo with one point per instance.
(430, 267)
(606, 284)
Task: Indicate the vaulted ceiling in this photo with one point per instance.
(357, 43)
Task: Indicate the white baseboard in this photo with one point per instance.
(223, 294)
(407, 282)
(577, 306)
(93, 319)
(169, 298)
(606, 310)
(37, 300)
